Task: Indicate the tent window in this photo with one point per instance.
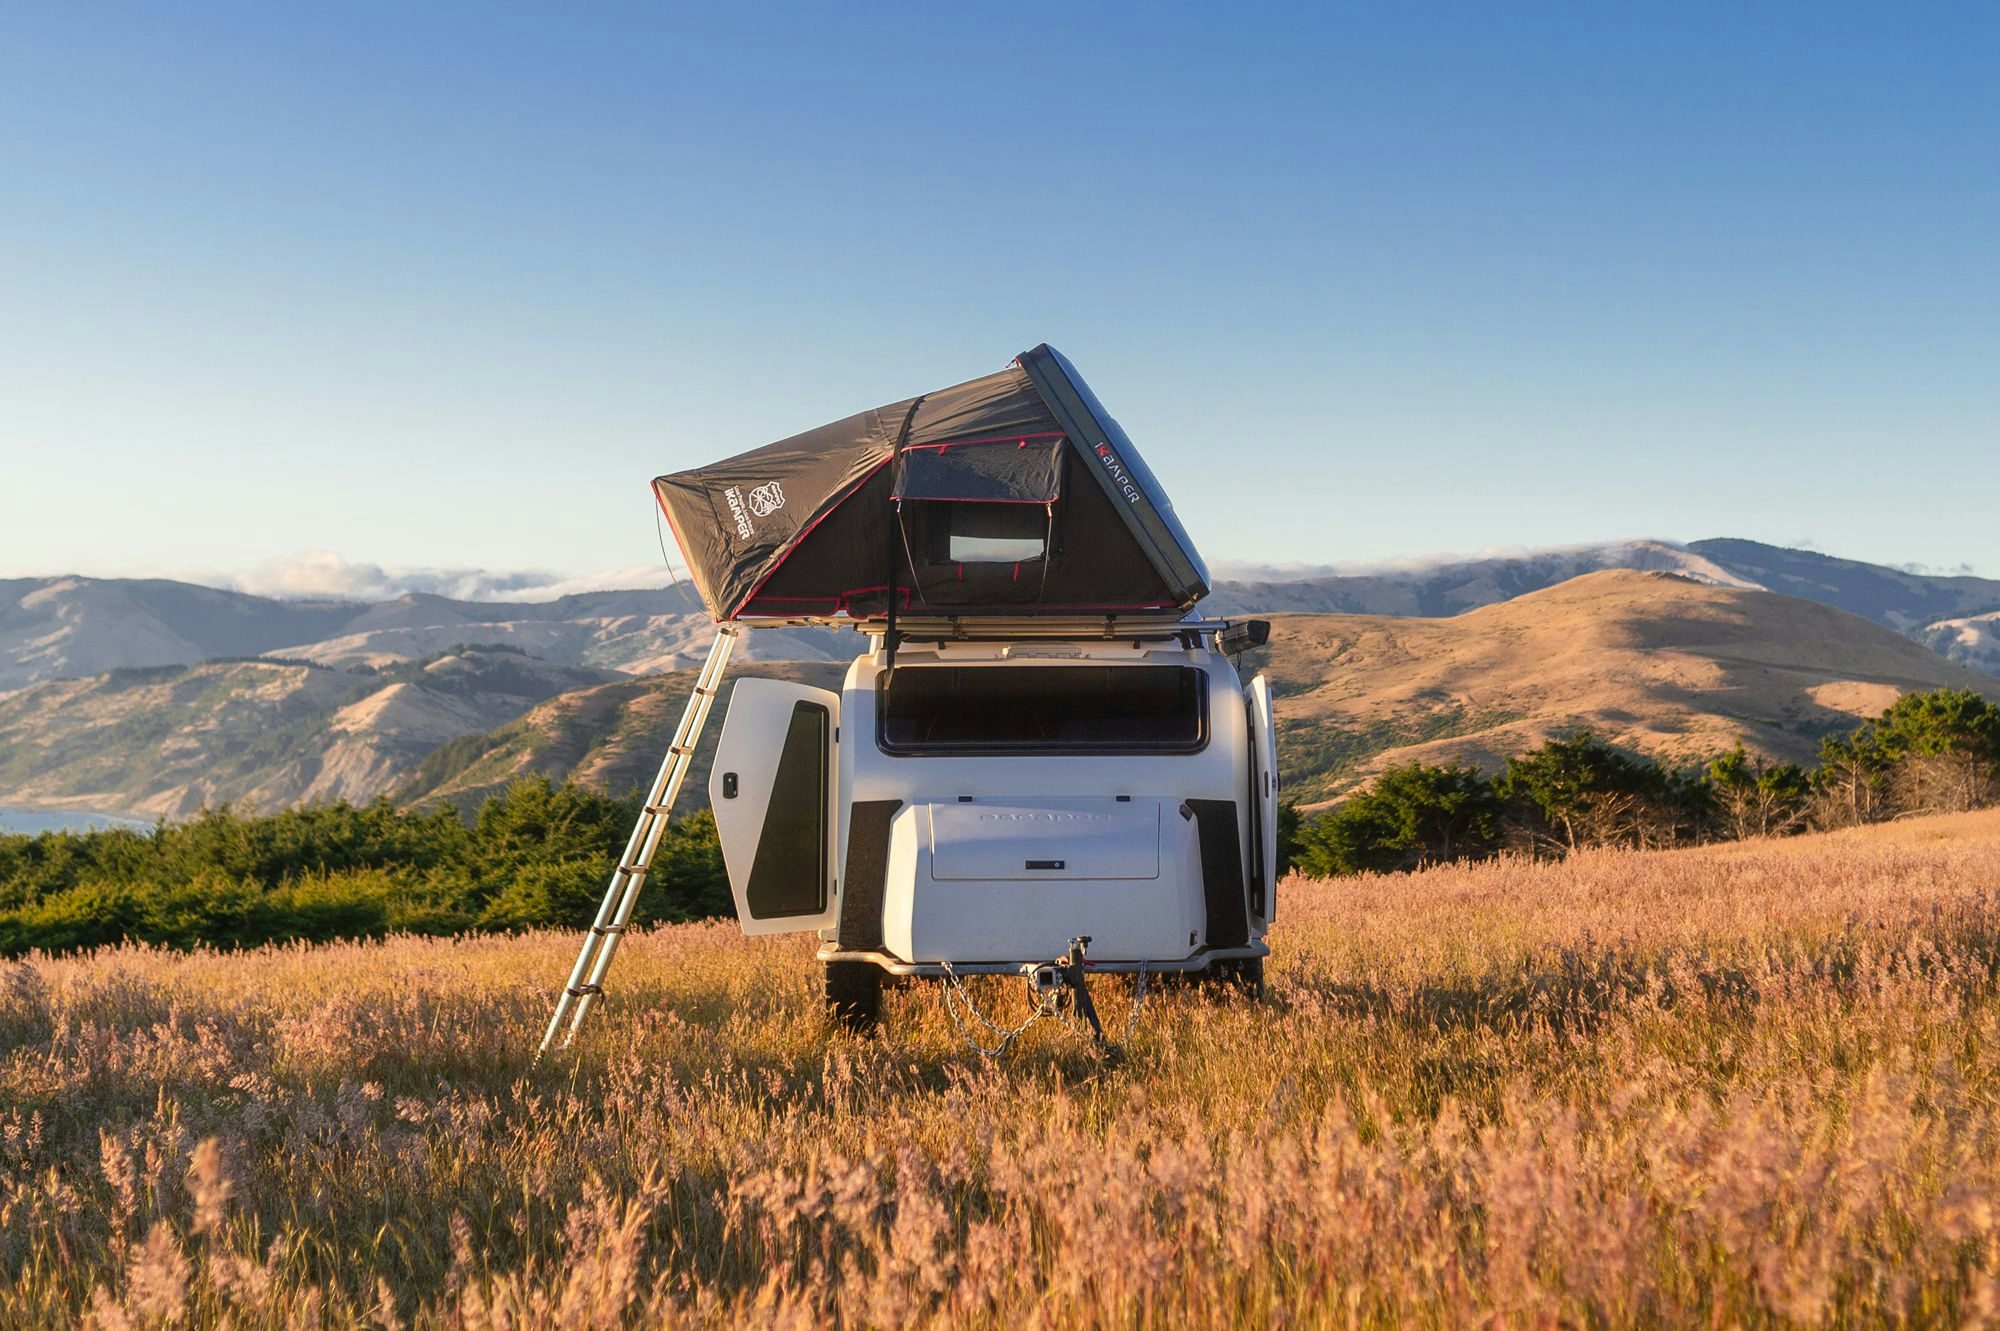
(987, 533)
(994, 550)
(1024, 709)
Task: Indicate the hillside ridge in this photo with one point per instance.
(73, 627)
(1654, 662)
(167, 740)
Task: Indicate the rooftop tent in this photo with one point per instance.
(1015, 493)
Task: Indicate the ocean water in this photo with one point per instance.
(31, 821)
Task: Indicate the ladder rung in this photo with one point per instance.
(659, 808)
(681, 748)
(584, 990)
(607, 928)
(632, 868)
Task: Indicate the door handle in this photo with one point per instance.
(729, 785)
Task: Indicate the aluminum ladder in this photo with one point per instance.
(586, 978)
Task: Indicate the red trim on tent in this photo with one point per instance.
(1017, 439)
(1038, 503)
(946, 611)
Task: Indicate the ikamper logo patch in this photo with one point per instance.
(734, 498)
(764, 500)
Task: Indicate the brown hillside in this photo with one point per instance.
(1654, 662)
(262, 735)
(610, 737)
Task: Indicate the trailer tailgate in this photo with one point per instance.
(1052, 838)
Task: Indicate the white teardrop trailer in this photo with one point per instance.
(1044, 765)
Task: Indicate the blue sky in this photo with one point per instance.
(443, 287)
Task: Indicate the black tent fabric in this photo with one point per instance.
(1014, 493)
(994, 471)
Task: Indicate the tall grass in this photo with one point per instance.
(1751, 1084)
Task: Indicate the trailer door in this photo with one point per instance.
(1263, 800)
(772, 791)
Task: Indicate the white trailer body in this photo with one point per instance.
(984, 802)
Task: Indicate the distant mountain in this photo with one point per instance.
(634, 633)
(1660, 662)
(1655, 662)
(68, 627)
(1435, 588)
(167, 740)
(1971, 640)
(1904, 601)
(53, 628)
(1958, 616)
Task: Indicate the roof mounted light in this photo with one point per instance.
(1243, 637)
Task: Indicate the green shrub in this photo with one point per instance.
(537, 855)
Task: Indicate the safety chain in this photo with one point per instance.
(955, 993)
(1138, 1002)
(1049, 1005)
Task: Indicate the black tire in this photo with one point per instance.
(1235, 975)
(854, 995)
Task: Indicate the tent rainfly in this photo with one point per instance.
(1013, 494)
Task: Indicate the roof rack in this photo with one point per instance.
(1013, 628)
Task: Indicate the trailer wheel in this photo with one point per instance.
(1236, 975)
(854, 995)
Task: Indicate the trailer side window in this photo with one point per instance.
(789, 874)
(1080, 709)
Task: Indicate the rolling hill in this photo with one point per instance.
(1664, 664)
(1945, 613)
(1972, 640)
(1902, 600)
(1656, 662)
(1651, 661)
(56, 628)
(1474, 659)
(71, 626)
(609, 736)
(1441, 587)
(261, 734)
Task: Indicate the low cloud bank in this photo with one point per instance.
(1419, 565)
(323, 575)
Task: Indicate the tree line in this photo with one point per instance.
(1936, 752)
(537, 854)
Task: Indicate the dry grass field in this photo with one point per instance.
(1750, 1085)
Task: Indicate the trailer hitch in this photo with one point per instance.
(1054, 989)
(1071, 964)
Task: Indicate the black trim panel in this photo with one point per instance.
(1221, 872)
(866, 876)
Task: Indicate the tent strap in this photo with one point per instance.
(889, 635)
